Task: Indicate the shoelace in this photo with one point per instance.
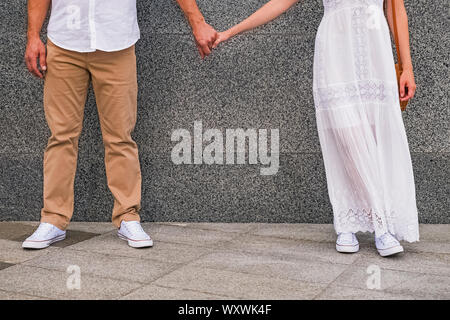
(43, 230)
(346, 237)
(387, 239)
(135, 227)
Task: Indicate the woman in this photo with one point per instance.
(362, 136)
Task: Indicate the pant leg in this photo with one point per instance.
(65, 90)
(115, 85)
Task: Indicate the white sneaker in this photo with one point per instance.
(347, 242)
(387, 245)
(132, 232)
(44, 236)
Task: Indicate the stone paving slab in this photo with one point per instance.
(348, 293)
(185, 235)
(14, 230)
(4, 265)
(52, 284)
(356, 276)
(7, 295)
(297, 231)
(427, 263)
(425, 287)
(12, 252)
(220, 261)
(104, 265)
(224, 227)
(272, 267)
(162, 251)
(307, 250)
(72, 237)
(240, 285)
(162, 293)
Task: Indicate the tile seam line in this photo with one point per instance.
(318, 283)
(23, 293)
(184, 289)
(178, 266)
(130, 257)
(335, 279)
(93, 275)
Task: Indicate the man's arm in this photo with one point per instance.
(37, 11)
(204, 34)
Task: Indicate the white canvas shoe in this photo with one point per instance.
(132, 232)
(45, 235)
(347, 243)
(387, 245)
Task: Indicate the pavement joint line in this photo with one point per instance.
(176, 267)
(212, 248)
(44, 254)
(195, 225)
(93, 275)
(422, 273)
(333, 281)
(191, 290)
(412, 294)
(129, 257)
(316, 284)
(280, 255)
(354, 263)
(287, 238)
(260, 275)
(25, 294)
(416, 275)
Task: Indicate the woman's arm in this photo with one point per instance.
(407, 78)
(266, 13)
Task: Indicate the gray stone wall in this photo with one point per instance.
(262, 79)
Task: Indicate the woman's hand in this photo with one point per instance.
(407, 85)
(222, 37)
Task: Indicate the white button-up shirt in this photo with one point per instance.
(89, 25)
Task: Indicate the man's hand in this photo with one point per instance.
(205, 36)
(36, 50)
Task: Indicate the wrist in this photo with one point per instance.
(407, 66)
(232, 32)
(196, 21)
(33, 35)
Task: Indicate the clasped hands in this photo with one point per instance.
(207, 38)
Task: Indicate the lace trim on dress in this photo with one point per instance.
(360, 92)
(362, 220)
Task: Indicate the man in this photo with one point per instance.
(92, 41)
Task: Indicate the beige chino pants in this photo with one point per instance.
(113, 77)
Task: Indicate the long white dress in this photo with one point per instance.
(362, 135)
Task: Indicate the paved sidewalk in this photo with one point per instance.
(221, 261)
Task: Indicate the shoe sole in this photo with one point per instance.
(136, 243)
(29, 244)
(390, 251)
(347, 248)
